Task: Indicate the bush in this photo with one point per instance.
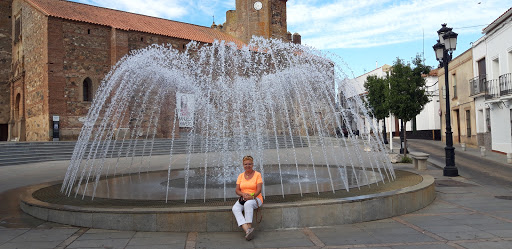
(406, 159)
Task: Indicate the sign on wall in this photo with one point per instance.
(185, 107)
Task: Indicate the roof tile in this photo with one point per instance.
(130, 21)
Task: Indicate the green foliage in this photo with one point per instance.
(407, 95)
(377, 98)
(406, 159)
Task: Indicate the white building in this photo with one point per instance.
(491, 86)
(426, 122)
(361, 124)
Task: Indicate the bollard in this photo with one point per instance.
(463, 145)
(482, 151)
(509, 157)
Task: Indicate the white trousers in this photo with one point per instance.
(248, 209)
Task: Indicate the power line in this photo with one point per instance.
(468, 27)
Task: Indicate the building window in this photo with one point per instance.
(495, 68)
(87, 90)
(510, 61)
(88, 31)
(454, 80)
(488, 119)
(17, 29)
(468, 123)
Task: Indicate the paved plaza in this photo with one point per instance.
(466, 214)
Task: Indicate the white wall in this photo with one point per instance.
(500, 129)
(429, 118)
(496, 47)
(479, 52)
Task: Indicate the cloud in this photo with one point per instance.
(198, 12)
(171, 9)
(370, 23)
(331, 24)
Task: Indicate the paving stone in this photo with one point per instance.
(106, 234)
(501, 233)
(429, 246)
(159, 239)
(56, 234)
(404, 238)
(9, 234)
(222, 240)
(30, 245)
(449, 229)
(168, 246)
(159, 234)
(466, 235)
(346, 235)
(101, 243)
(488, 245)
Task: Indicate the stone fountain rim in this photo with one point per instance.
(220, 218)
(28, 199)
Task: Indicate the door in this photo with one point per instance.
(482, 75)
(457, 117)
(3, 132)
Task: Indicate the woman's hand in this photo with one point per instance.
(247, 196)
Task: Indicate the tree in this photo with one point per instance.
(377, 98)
(407, 95)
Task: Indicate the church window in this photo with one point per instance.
(17, 29)
(17, 107)
(87, 89)
(88, 31)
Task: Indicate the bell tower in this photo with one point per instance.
(266, 18)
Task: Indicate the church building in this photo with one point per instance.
(54, 54)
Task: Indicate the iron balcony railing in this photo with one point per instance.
(505, 84)
(501, 86)
(493, 89)
(478, 85)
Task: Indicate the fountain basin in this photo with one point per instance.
(279, 180)
(408, 193)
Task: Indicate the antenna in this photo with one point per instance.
(213, 19)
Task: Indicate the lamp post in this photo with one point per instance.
(444, 48)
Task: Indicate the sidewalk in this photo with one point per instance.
(470, 151)
(464, 215)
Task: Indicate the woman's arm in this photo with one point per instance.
(258, 190)
(238, 191)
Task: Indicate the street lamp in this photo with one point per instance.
(444, 48)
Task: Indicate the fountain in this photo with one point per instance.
(167, 129)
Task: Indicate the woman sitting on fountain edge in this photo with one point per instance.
(248, 186)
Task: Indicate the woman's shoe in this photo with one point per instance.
(250, 234)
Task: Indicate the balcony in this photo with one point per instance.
(505, 82)
(502, 86)
(478, 85)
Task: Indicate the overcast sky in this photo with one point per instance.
(363, 32)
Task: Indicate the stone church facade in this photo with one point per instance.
(54, 54)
